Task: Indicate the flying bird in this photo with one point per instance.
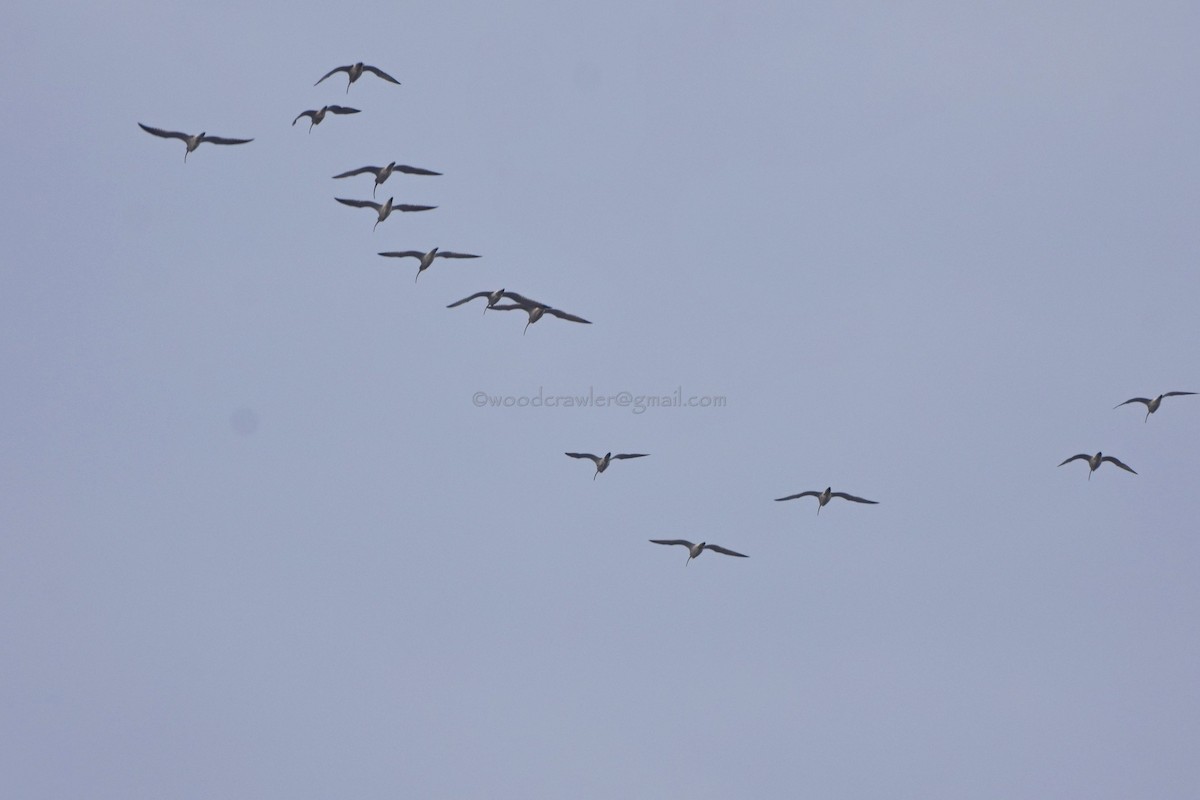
(383, 173)
(1095, 461)
(825, 496)
(536, 310)
(602, 462)
(383, 209)
(492, 298)
(316, 115)
(355, 72)
(192, 141)
(1151, 405)
(694, 550)
(425, 258)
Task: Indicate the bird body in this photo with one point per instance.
(825, 496)
(426, 258)
(602, 462)
(191, 140)
(316, 115)
(1095, 461)
(355, 71)
(383, 173)
(694, 550)
(1151, 405)
(383, 209)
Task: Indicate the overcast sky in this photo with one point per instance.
(257, 539)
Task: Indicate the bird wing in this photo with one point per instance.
(380, 73)
(334, 71)
(406, 207)
(717, 548)
(341, 110)
(630, 455)
(448, 254)
(1118, 462)
(223, 140)
(1143, 400)
(1176, 394)
(407, 170)
(359, 203)
(309, 113)
(585, 455)
(509, 307)
(406, 254)
(1084, 456)
(683, 542)
(522, 300)
(466, 299)
(164, 134)
(794, 496)
(359, 171)
(566, 316)
(845, 496)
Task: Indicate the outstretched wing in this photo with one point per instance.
(851, 497)
(1176, 394)
(358, 203)
(718, 549)
(585, 455)
(631, 455)
(468, 298)
(309, 113)
(509, 307)
(380, 73)
(223, 140)
(334, 71)
(683, 542)
(1145, 401)
(406, 207)
(794, 496)
(522, 300)
(448, 254)
(1084, 456)
(407, 170)
(1119, 463)
(407, 254)
(341, 110)
(566, 316)
(164, 134)
(359, 171)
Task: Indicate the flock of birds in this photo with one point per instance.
(536, 309)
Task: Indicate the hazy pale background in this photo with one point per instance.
(256, 541)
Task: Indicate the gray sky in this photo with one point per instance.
(257, 541)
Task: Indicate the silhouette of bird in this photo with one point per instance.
(426, 258)
(355, 72)
(694, 550)
(825, 496)
(383, 173)
(191, 140)
(602, 462)
(316, 115)
(1151, 405)
(492, 298)
(1095, 461)
(536, 310)
(383, 209)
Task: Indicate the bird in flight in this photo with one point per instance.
(535, 310)
(383, 173)
(694, 550)
(316, 115)
(492, 298)
(1151, 405)
(825, 496)
(425, 258)
(192, 141)
(1095, 461)
(602, 462)
(355, 72)
(383, 209)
